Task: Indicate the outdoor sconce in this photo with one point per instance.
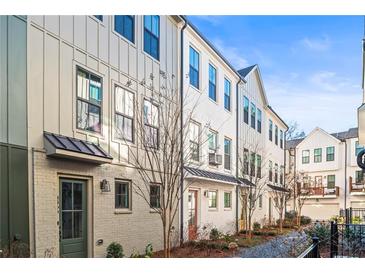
(104, 186)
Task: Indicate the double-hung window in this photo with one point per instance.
(276, 173)
(89, 101)
(246, 105)
(194, 141)
(305, 156)
(227, 153)
(212, 140)
(212, 83)
(122, 194)
(151, 36)
(151, 124)
(155, 195)
(260, 201)
(270, 130)
(253, 164)
(258, 163)
(99, 17)
(253, 115)
(124, 25)
(276, 135)
(194, 68)
(270, 171)
(281, 175)
(318, 155)
(281, 138)
(212, 199)
(331, 181)
(359, 177)
(227, 94)
(330, 154)
(245, 161)
(227, 199)
(259, 120)
(124, 114)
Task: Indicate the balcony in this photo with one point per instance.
(319, 192)
(357, 188)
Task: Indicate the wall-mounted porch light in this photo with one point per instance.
(104, 186)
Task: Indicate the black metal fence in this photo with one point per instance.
(353, 215)
(312, 251)
(347, 240)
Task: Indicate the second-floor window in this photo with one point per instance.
(151, 36)
(124, 25)
(270, 130)
(305, 156)
(245, 161)
(281, 138)
(359, 177)
(281, 175)
(194, 67)
(276, 170)
(270, 171)
(227, 153)
(194, 141)
(227, 94)
(212, 83)
(89, 101)
(151, 124)
(276, 135)
(253, 115)
(212, 140)
(99, 17)
(258, 163)
(124, 114)
(331, 181)
(358, 148)
(259, 120)
(246, 105)
(253, 164)
(330, 154)
(317, 155)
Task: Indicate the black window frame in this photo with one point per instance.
(246, 161)
(149, 126)
(212, 88)
(270, 130)
(124, 116)
(317, 158)
(270, 171)
(227, 97)
(276, 135)
(195, 144)
(99, 17)
(123, 33)
(258, 166)
(129, 194)
(246, 110)
(157, 196)
(227, 156)
(253, 115)
(305, 159)
(276, 173)
(281, 138)
(330, 156)
(151, 35)
(194, 72)
(259, 120)
(229, 199)
(253, 164)
(330, 182)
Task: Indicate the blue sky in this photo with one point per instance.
(311, 65)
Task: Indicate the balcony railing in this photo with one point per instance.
(357, 186)
(319, 191)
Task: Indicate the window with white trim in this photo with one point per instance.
(124, 114)
(151, 124)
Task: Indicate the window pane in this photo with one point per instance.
(148, 22)
(82, 85)
(94, 118)
(66, 196)
(147, 42)
(77, 196)
(95, 90)
(78, 215)
(155, 25)
(66, 225)
(129, 28)
(82, 114)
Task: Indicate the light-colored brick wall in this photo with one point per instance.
(133, 230)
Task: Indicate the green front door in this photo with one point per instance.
(73, 219)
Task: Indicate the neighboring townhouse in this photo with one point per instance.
(210, 90)
(87, 76)
(332, 179)
(260, 144)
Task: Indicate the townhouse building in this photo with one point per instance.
(331, 179)
(261, 136)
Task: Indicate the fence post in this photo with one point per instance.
(315, 240)
(350, 217)
(334, 240)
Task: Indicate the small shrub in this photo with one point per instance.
(228, 238)
(356, 220)
(338, 219)
(321, 230)
(256, 226)
(214, 234)
(291, 215)
(114, 250)
(305, 220)
(149, 250)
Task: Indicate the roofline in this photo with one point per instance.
(277, 116)
(216, 51)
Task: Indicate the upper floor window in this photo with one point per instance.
(124, 25)
(194, 141)
(124, 114)
(305, 156)
(246, 105)
(281, 138)
(359, 177)
(194, 68)
(330, 154)
(227, 94)
(122, 194)
(212, 83)
(212, 199)
(89, 101)
(253, 115)
(212, 140)
(259, 120)
(358, 148)
(99, 17)
(258, 163)
(260, 201)
(270, 171)
(151, 37)
(227, 199)
(227, 153)
(270, 130)
(151, 124)
(252, 164)
(276, 169)
(276, 134)
(245, 161)
(155, 196)
(331, 181)
(318, 155)
(281, 175)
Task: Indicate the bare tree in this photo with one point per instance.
(293, 131)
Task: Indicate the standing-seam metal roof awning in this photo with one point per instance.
(277, 188)
(71, 148)
(213, 176)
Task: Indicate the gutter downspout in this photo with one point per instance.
(34, 219)
(345, 203)
(181, 133)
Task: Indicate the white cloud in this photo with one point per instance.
(329, 81)
(232, 54)
(213, 20)
(316, 44)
